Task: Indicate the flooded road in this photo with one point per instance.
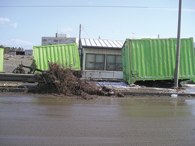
(40, 120)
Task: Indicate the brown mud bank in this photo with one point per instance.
(59, 81)
(51, 91)
(28, 89)
(64, 82)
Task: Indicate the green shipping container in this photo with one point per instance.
(64, 54)
(154, 59)
(1, 59)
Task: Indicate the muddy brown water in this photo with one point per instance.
(40, 120)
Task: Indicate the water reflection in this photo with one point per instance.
(155, 107)
(112, 106)
(104, 121)
(191, 103)
(130, 107)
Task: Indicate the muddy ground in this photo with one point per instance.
(22, 89)
(11, 62)
(75, 86)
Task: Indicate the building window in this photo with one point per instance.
(95, 62)
(114, 62)
(49, 41)
(44, 40)
(55, 40)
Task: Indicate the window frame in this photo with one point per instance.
(55, 41)
(115, 56)
(95, 62)
(44, 40)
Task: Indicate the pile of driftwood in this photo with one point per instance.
(61, 80)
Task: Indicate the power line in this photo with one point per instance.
(76, 32)
(85, 31)
(85, 6)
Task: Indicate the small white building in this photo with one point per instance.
(58, 39)
(101, 58)
(29, 52)
(12, 53)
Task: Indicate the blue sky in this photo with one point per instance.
(24, 26)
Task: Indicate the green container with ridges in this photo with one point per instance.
(66, 55)
(1, 59)
(154, 59)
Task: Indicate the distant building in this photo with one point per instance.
(16, 53)
(58, 39)
(101, 58)
(29, 52)
(12, 52)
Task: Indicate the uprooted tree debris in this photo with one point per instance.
(61, 80)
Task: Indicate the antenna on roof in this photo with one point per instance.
(133, 34)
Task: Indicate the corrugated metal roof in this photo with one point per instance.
(102, 43)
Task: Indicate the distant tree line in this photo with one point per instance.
(8, 49)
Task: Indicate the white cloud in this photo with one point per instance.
(14, 25)
(5, 23)
(4, 20)
(18, 43)
(64, 30)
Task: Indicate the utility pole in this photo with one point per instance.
(80, 48)
(80, 36)
(178, 48)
